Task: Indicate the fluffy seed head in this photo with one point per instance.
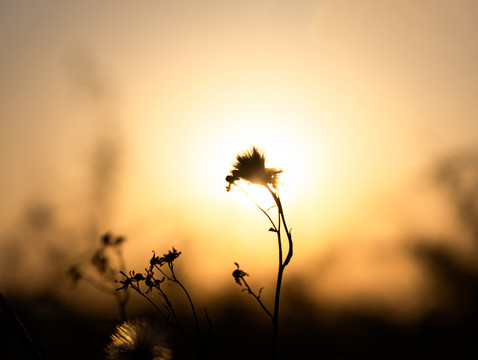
(137, 339)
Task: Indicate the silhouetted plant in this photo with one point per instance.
(239, 275)
(154, 279)
(102, 270)
(250, 166)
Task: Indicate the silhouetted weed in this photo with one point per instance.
(156, 279)
(250, 166)
(103, 268)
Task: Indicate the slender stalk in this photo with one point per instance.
(176, 323)
(152, 303)
(280, 272)
(250, 166)
(260, 208)
(196, 350)
(257, 297)
(281, 266)
(281, 216)
(275, 317)
(196, 322)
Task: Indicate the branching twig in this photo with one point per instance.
(257, 297)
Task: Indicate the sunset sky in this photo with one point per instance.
(126, 116)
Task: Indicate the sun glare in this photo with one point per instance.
(255, 193)
(284, 147)
(276, 120)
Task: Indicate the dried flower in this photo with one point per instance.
(129, 280)
(251, 166)
(151, 282)
(238, 274)
(139, 340)
(165, 259)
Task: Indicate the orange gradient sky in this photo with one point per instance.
(126, 116)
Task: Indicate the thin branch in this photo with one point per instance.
(289, 235)
(138, 290)
(190, 303)
(257, 297)
(280, 271)
(261, 209)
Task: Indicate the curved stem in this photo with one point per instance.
(275, 317)
(162, 272)
(178, 326)
(169, 307)
(138, 290)
(257, 297)
(281, 216)
(261, 209)
(282, 265)
(191, 304)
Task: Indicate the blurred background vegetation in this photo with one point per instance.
(126, 117)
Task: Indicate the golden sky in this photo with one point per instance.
(126, 116)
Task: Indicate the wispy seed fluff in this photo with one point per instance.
(137, 339)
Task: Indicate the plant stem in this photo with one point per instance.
(282, 264)
(260, 208)
(281, 216)
(280, 272)
(201, 345)
(275, 317)
(166, 317)
(176, 324)
(257, 297)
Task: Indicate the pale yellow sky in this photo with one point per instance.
(353, 99)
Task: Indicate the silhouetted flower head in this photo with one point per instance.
(165, 259)
(251, 166)
(151, 282)
(238, 274)
(127, 282)
(138, 340)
